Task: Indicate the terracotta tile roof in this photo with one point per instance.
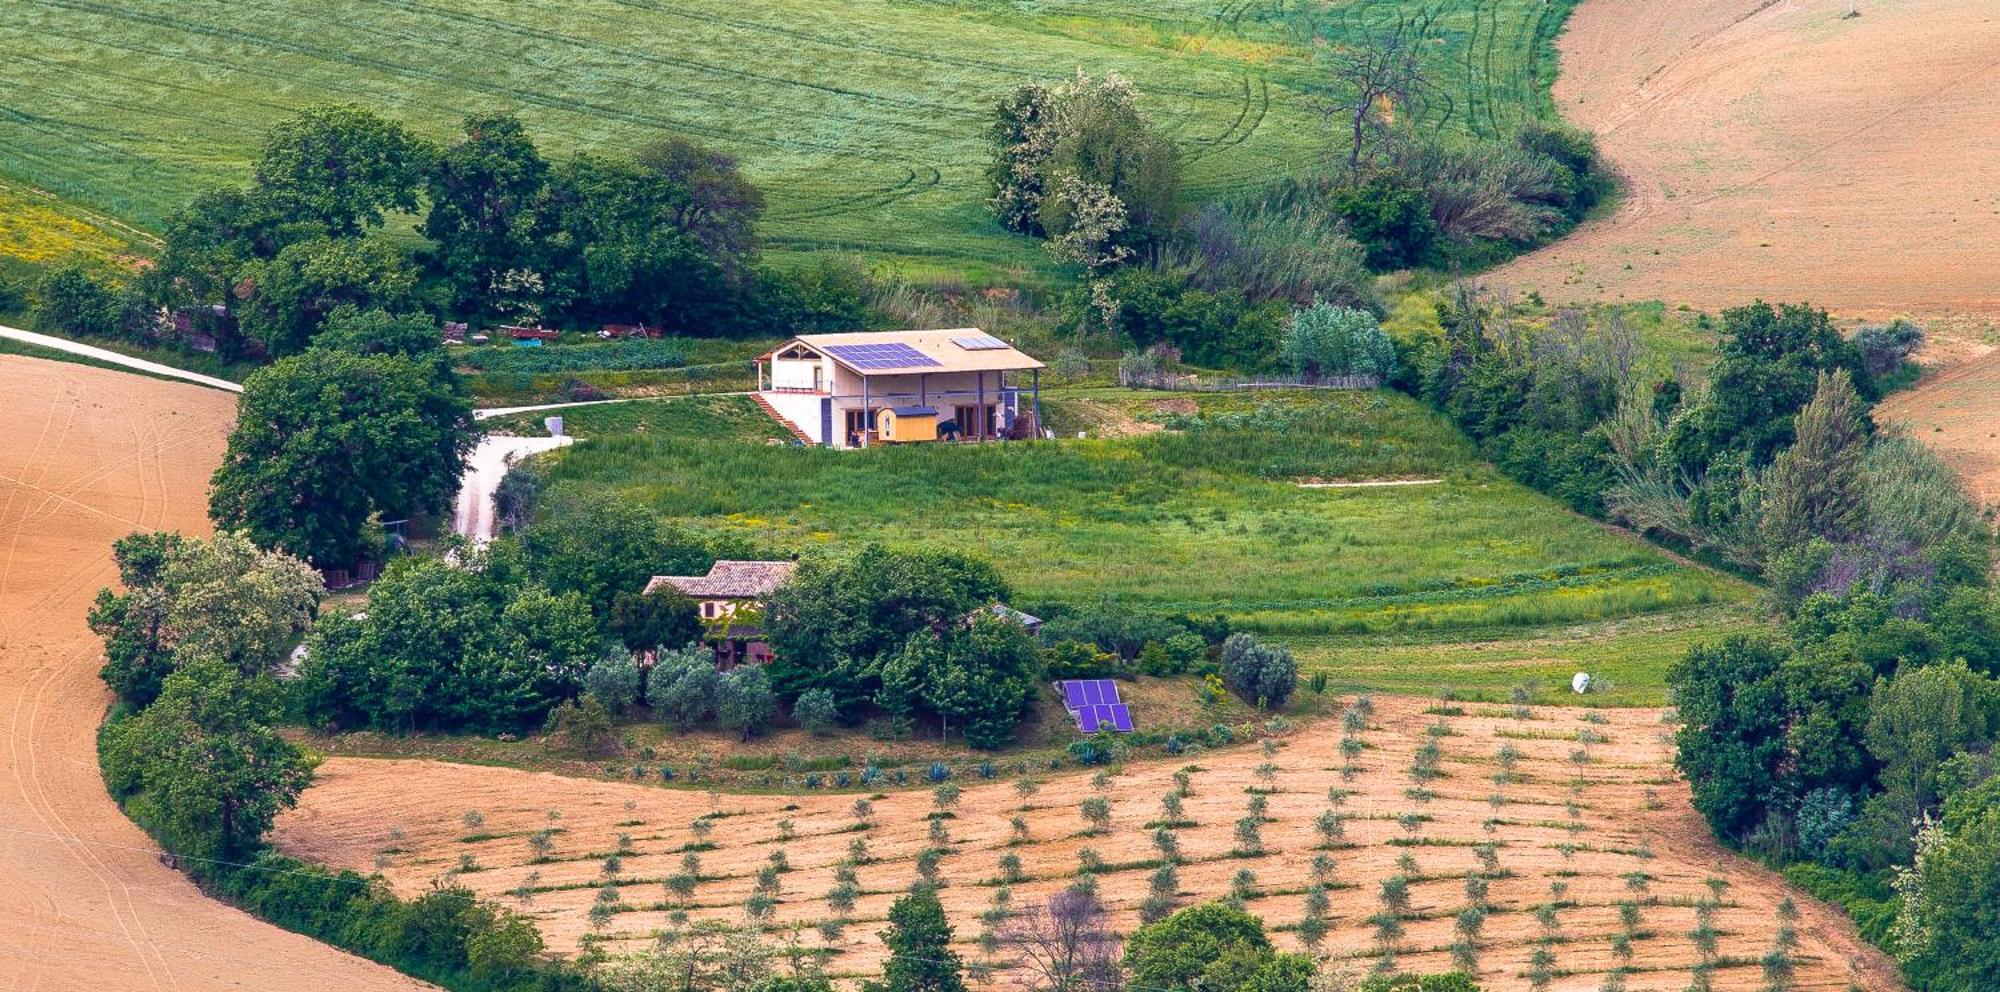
(729, 580)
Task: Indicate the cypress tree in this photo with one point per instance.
(919, 945)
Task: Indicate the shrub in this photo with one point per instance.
(1885, 348)
(684, 685)
(612, 356)
(744, 702)
(1082, 660)
(614, 680)
(70, 300)
(815, 711)
(1265, 676)
(1390, 216)
(1327, 340)
(582, 726)
(1221, 328)
(1821, 817)
(1273, 251)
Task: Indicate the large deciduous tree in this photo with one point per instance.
(1763, 725)
(219, 598)
(707, 197)
(201, 767)
(1917, 721)
(838, 620)
(341, 168)
(286, 300)
(1948, 931)
(206, 244)
(1769, 367)
(618, 252)
(984, 679)
(327, 438)
(486, 213)
(1090, 132)
(1176, 954)
(1067, 943)
(448, 646)
(602, 550)
(648, 621)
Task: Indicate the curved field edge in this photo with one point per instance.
(95, 455)
(1769, 150)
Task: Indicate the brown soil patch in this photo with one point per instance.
(1957, 413)
(92, 455)
(1788, 151)
(1104, 419)
(1632, 815)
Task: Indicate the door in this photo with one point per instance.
(819, 378)
(858, 424)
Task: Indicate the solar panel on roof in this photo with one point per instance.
(882, 356)
(980, 342)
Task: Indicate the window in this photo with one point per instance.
(708, 611)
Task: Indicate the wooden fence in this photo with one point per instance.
(1198, 384)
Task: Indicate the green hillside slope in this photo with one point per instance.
(864, 119)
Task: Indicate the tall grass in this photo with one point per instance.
(1203, 517)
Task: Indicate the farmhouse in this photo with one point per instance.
(731, 599)
(900, 387)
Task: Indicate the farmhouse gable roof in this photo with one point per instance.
(729, 580)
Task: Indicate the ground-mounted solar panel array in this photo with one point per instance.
(882, 356)
(1095, 705)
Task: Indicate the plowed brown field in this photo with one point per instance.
(1957, 412)
(91, 455)
(409, 820)
(1839, 153)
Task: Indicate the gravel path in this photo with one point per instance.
(483, 472)
(106, 355)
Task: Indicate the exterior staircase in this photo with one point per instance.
(803, 438)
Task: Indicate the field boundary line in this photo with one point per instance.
(115, 358)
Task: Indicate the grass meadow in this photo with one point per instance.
(1203, 514)
(863, 119)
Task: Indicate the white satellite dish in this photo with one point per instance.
(1580, 683)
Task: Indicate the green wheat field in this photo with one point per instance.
(864, 120)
